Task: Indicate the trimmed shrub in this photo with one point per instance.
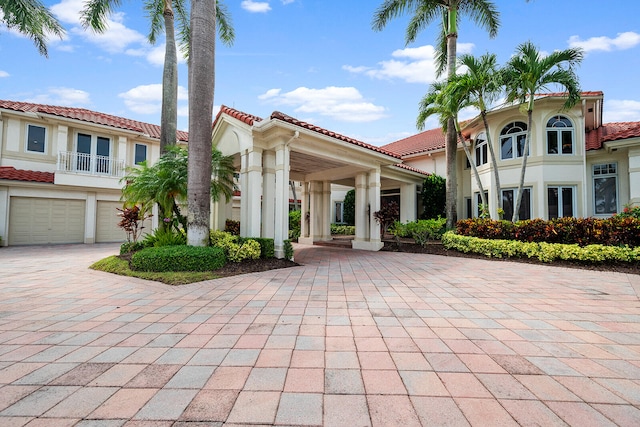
(235, 248)
(288, 250)
(128, 247)
(267, 248)
(294, 224)
(346, 230)
(349, 207)
(543, 251)
(178, 258)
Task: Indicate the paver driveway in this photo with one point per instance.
(349, 338)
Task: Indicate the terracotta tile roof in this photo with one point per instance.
(13, 174)
(89, 116)
(611, 132)
(236, 114)
(285, 118)
(433, 139)
(411, 168)
(585, 94)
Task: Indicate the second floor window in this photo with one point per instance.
(36, 138)
(481, 149)
(512, 139)
(140, 153)
(559, 135)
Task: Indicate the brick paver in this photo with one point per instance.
(348, 338)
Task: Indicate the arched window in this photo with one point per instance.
(512, 139)
(559, 135)
(481, 149)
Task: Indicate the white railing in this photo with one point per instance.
(71, 161)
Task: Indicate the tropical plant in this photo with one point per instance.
(349, 208)
(425, 12)
(161, 13)
(202, 49)
(388, 214)
(446, 100)
(433, 197)
(33, 19)
(483, 83)
(530, 73)
(132, 222)
(165, 183)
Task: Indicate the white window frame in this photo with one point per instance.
(506, 133)
(605, 171)
(44, 141)
(96, 162)
(557, 125)
(561, 213)
(135, 152)
(514, 199)
(481, 149)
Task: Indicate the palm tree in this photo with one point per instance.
(165, 183)
(446, 100)
(202, 50)
(527, 74)
(425, 12)
(31, 18)
(162, 16)
(483, 84)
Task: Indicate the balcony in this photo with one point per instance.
(89, 164)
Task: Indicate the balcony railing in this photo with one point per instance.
(71, 161)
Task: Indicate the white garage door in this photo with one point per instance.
(107, 220)
(35, 221)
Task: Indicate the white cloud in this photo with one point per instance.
(618, 110)
(339, 103)
(286, 2)
(63, 96)
(3, 74)
(147, 99)
(255, 6)
(623, 41)
(412, 64)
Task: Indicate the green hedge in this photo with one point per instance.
(347, 230)
(178, 258)
(421, 231)
(267, 248)
(543, 251)
(615, 231)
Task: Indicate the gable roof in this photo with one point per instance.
(611, 132)
(13, 174)
(277, 115)
(89, 116)
(430, 140)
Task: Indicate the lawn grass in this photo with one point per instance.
(116, 265)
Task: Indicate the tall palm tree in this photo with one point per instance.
(31, 18)
(529, 73)
(446, 100)
(483, 84)
(425, 12)
(202, 49)
(162, 16)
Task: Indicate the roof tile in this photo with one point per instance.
(13, 174)
(430, 140)
(89, 116)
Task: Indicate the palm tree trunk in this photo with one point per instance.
(169, 117)
(523, 169)
(201, 90)
(451, 146)
(473, 168)
(494, 161)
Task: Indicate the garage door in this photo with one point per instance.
(35, 221)
(107, 229)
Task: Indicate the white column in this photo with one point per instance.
(374, 201)
(123, 154)
(251, 187)
(4, 214)
(281, 200)
(634, 177)
(268, 194)
(408, 202)
(362, 207)
(326, 210)
(59, 142)
(304, 199)
(90, 216)
(371, 195)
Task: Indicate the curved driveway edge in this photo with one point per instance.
(349, 338)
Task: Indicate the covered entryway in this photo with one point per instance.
(41, 221)
(107, 220)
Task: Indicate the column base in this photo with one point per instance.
(367, 245)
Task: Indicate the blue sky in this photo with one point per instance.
(318, 61)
